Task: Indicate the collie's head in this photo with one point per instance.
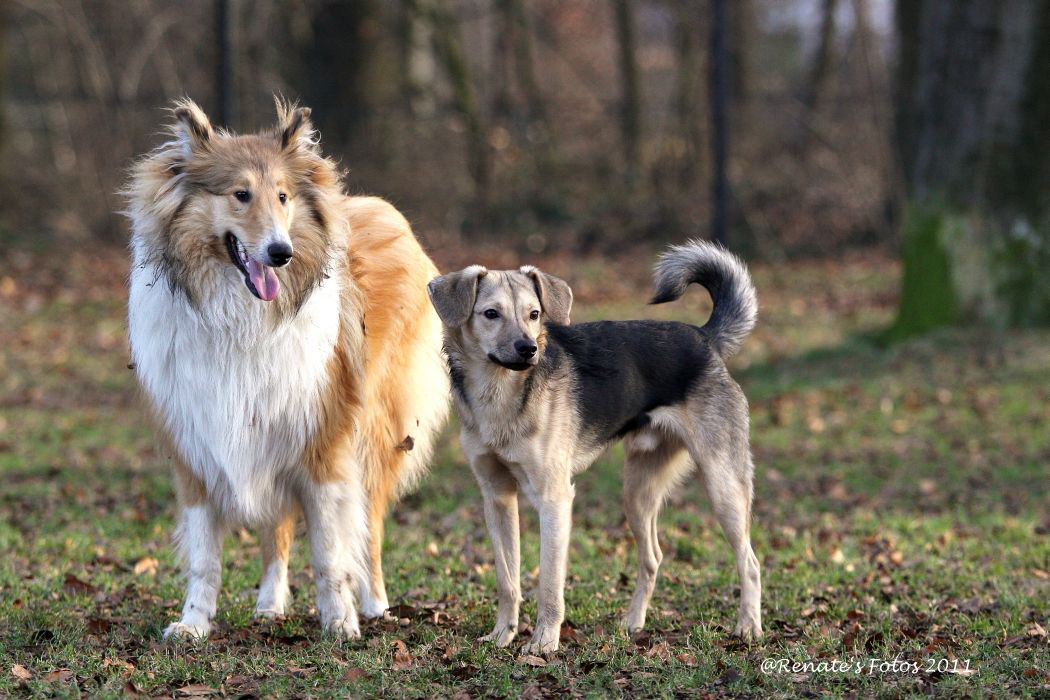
(218, 213)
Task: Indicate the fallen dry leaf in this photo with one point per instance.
(119, 663)
(1036, 630)
(402, 659)
(661, 650)
(569, 633)
(146, 566)
(353, 674)
(98, 625)
(535, 661)
(59, 676)
(687, 659)
(21, 672)
(75, 585)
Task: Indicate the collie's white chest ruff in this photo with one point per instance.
(238, 392)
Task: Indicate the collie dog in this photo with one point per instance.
(282, 334)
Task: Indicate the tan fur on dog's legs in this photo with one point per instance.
(729, 487)
(555, 527)
(373, 590)
(276, 544)
(499, 490)
(648, 474)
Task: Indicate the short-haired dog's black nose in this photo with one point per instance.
(525, 348)
(280, 253)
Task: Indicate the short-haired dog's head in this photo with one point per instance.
(499, 313)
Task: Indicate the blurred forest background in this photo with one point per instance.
(884, 166)
(584, 126)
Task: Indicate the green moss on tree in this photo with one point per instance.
(928, 297)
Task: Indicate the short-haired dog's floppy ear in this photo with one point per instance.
(453, 295)
(555, 294)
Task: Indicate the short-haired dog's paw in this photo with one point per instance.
(748, 630)
(632, 622)
(544, 639)
(501, 635)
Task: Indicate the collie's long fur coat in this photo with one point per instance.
(282, 335)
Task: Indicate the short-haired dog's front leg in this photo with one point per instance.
(555, 527)
(499, 489)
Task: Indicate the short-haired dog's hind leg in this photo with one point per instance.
(648, 475)
(728, 476)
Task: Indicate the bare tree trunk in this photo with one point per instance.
(3, 81)
(720, 123)
(742, 32)
(687, 100)
(820, 70)
(226, 66)
(448, 46)
(973, 101)
(630, 106)
(502, 47)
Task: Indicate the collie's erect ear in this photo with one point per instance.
(453, 295)
(555, 294)
(294, 129)
(192, 128)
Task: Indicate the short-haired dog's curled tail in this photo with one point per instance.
(726, 279)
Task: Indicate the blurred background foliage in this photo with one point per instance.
(582, 126)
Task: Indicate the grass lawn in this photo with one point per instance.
(901, 513)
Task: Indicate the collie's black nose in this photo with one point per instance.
(525, 348)
(280, 253)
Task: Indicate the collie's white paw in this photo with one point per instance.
(372, 608)
(544, 639)
(748, 628)
(269, 613)
(501, 635)
(181, 630)
(343, 627)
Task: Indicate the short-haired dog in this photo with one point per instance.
(540, 399)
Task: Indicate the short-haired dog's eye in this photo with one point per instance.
(243, 196)
(491, 313)
(283, 197)
(534, 314)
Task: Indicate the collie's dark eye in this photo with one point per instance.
(283, 197)
(243, 196)
(491, 313)
(534, 314)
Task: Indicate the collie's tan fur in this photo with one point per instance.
(384, 392)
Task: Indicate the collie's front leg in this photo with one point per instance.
(374, 602)
(198, 540)
(336, 523)
(276, 548)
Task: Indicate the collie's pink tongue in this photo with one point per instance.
(265, 280)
